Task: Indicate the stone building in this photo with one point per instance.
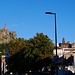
(65, 44)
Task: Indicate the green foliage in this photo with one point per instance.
(32, 54)
(41, 45)
(16, 45)
(3, 47)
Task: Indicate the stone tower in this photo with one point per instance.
(4, 26)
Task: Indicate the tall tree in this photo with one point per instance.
(41, 45)
(26, 55)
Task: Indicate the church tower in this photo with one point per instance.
(63, 40)
(4, 26)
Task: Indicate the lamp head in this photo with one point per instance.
(49, 13)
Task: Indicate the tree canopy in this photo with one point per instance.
(32, 54)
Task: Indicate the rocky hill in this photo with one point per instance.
(6, 35)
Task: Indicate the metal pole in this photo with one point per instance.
(55, 34)
(56, 42)
(55, 38)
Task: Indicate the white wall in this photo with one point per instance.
(59, 52)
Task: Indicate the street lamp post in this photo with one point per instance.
(55, 29)
(55, 35)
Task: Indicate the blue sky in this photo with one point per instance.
(27, 17)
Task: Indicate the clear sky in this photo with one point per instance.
(27, 17)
